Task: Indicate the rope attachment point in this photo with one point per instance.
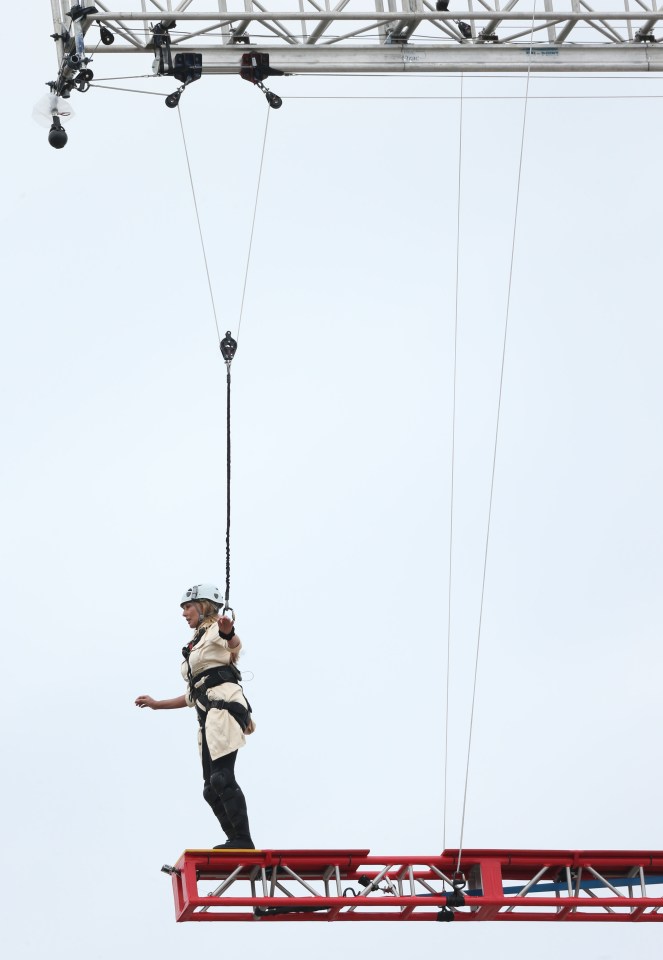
(454, 899)
(228, 346)
(255, 68)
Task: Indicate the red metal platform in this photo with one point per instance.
(552, 885)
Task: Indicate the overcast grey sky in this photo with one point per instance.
(113, 492)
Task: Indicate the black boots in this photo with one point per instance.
(218, 810)
(235, 808)
(229, 806)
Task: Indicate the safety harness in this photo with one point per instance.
(202, 682)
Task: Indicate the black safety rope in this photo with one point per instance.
(228, 347)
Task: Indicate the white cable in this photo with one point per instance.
(253, 222)
(453, 461)
(200, 231)
(492, 478)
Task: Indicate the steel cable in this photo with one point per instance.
(453, 470)
(200, 230)
(492, 477)
(253, 221)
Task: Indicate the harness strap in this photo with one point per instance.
(214, 677)
(236, 711)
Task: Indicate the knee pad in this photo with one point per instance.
(223, 783)
(210, 795)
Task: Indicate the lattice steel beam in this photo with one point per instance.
(351, 885)
(358, 36)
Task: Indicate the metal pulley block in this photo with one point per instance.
(228, 347)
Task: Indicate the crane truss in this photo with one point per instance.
(388, 36)
(351, 885)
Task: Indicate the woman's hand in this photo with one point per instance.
(225, 625)
(145, 701)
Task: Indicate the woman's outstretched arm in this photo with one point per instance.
(173, 704)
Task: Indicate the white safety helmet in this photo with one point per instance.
(202, 591)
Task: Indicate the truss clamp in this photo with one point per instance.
(188, 67)
(79, 12)
(644, 35)
(372, 885)
(255, 68)
(73, 73)
(455, 899)
(163, 58)
(185, 67)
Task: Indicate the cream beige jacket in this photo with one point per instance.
(222, 732)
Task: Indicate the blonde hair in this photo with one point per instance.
(208, 610)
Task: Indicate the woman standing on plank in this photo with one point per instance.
(224, 714)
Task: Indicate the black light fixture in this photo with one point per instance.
(442, 6)
(57, 135)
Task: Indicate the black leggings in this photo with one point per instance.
(225, 797)
(225, 765)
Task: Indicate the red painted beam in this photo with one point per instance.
(352, 885)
